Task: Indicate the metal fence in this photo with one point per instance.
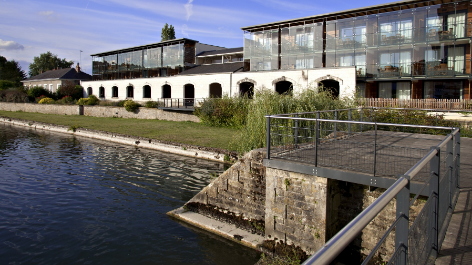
(348, 139)
(179, 103)
(444, 104)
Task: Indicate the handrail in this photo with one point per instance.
(337, 244)
(344, 237)
(362, 122)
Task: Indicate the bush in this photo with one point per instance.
(131, 106)
(67, 100)
(46, 100)
(93, 100)
(5, 84)
(151, 104)
(68, 88)
(38, 91)
(82, 101)
(224, 112)
(12, 95)
(266, 102)
(121, 103)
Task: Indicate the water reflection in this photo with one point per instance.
(74, 200)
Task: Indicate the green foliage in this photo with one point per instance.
(93, 100)
(151, 104)
(70, 89)
(13, 95)
(121, 103)
(266, 102)
(67, 100)
(131, 106)
(5, 84)
(168, 32)
(37, 91)
(224, 112)
(46, 100)
(11, 71)
(73, 128)
(47, 61)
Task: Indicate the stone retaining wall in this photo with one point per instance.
(100, 111)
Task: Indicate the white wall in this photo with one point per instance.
(301, 79)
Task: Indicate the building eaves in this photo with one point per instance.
(214, 69)
(151, 45)
(358, 11)
(238, 50)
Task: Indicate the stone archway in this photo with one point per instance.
(330, 83)
(166, 91)
(146, 91)
(130, 91)
(246, 89)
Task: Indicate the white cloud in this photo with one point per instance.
(184, 30)
(9, 45)
(189, 9)
(50, 15)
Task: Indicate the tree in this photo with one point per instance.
(47, 61)
(167, 33)
(10, 71)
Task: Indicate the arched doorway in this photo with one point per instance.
(189, 91)
(101, 92)
(146, 91)
(114, 91)
(215, 90)
(189, 94)
(284, 87)
(130, 92)
(332, 86)
(166, 91)
(246, 89)
(89, 91)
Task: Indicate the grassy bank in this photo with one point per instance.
(178, 132)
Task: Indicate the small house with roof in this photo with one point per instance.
(53, 79)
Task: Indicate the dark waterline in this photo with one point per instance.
(74, 200)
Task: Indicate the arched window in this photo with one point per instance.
(130, 92)
(332, 86)
(246, 89)
(146, 91)
(215, 90)
(284, 87)
(166, 91)
(114, 91)
(89, 91)
(101, 92)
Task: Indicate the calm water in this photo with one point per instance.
(74, 200)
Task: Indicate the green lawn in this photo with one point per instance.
(178, 132)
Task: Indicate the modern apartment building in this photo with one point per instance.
(407, 49)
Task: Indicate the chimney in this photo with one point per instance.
(77, 68)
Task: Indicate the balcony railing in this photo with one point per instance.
(179, 103)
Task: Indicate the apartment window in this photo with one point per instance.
(50, 87)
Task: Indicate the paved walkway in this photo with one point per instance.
(457, 246)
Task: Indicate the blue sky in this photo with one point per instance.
(29, 28)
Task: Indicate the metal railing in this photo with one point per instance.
(312, 137)
(367, 146)
(179, 103)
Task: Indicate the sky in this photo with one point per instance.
(65, 27)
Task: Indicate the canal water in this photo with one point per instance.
(69, 200)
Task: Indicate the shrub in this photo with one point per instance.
(266, 102)
(131, 106)
(5, 84)
(38, 91)
(82, 101)
(65, 100)
(46, 100)
(151, 104)
(224, 112)
(121, 103)
(12, 95)
(68, 88)
(92, 100)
